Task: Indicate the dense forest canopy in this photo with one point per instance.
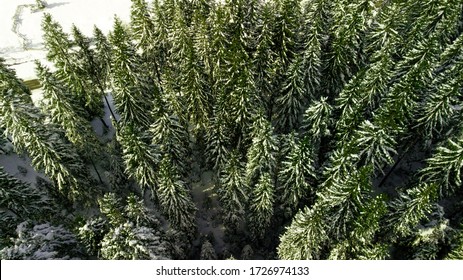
(324, 129)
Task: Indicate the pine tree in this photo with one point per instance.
(141, 159)
(127, 242)
(191, 72)
(207, 251)
(297, 174)
(174, 198)
(456, 252)
(134, 232)
(90, 68)
(261, 156)
(317, 119)
(233, 191)
(172, 139)
(48, 152)
(305, 237)
(61, 106)
(43, 242)
(344, 56)
(440, 178)
(265, 58)
(102, 57)
(375, 147)
(59, 52)
(18, 202)
(91, 234)
(133, 95)
(261, 205)
(293, 97)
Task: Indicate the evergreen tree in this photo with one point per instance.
(317, 119)
(90, 68)
(191, 72)
(261, 156)
(207, 251)
(261, 205)
(172, 139)
(19, 202)
(233, 191)
(61, 106)
(174, 197)
(102, 57)
(344, 56)
(265, 58)
(59, 52)
(303, 239)
(48, 152)
(43, 242)
(133, 95)
(297, 174)
(293, 97)
(127, 242)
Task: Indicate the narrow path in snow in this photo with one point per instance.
(17, 20)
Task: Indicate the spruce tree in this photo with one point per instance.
(133, 94)
(261, 156)
(59, 51)
(61, 106)
(261, 205)
(43, 242)
(42, 143)
(140, 157)
(20, 201)
(297, 174)
(174, 197)
(233, 191)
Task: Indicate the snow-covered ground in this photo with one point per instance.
(20, 32)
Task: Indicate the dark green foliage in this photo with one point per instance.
(43, 242)
(48, 152)
(333, 126)
(174, 198)
(233, 191)
(18, 202)
(133, 93)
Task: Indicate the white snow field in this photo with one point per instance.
(20, 32)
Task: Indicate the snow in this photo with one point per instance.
(10, 163)
(83, 13)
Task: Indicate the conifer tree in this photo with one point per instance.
(265, 58)
(305, 237)
(59, 52)
(172, 139)
(141, 159)
(133, 95)
(317, 119)
(297, 174)
(292, 98)
(261, 205)
(19, 202)
(233, 191)
(207, 251)
(174, 197)
(261, 156)
(441, 177)
(344, 56)
(102, 57)
(90, 68)
(43, 242)
(61, 106)
(456, 252)
(48, 152)
(217, 143)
